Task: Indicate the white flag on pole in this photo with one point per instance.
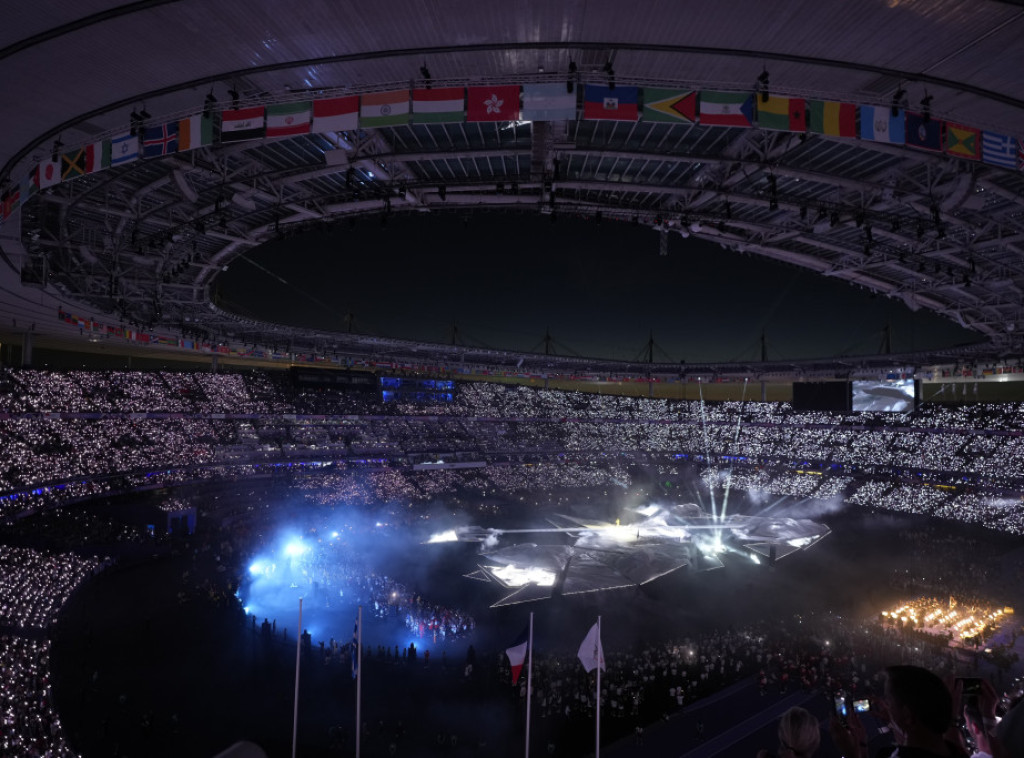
(591, 653)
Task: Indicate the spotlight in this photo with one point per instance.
(233, 94)
(55, 152)
(762, 85)
(425, 73)
(611, 74)
(571, 81)
(144, 114)
(208, 104)
(897, 100)
(926, 108)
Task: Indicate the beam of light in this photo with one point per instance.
(707, 446)
(514, 576)
(754, 558)
(294, 549)
(449, 536)
(735, 441)
(256, 568)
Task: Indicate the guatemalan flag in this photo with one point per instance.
(517, 653)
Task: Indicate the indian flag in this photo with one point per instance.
(288, 119)
(438, 106)
(384, 108)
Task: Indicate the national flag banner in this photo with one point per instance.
(999, 150)
(962, 141)
(160, 140)
(48, 173)
(726, 109)
(85, 160)
(336, 114)
(195, 132)
(242, 124)
(782, 114)
(384, 108)
(670, 105)
(611, 103)
(878, 123)
(517, 653)
(289, 119)
(439, 106)
(591, 654)
(355, 650)
(28, 185)
(923, 133)
(124, 148)
(10, 202)
(831, 118)
(492, 103)
(548, 102)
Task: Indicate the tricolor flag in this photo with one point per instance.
(670, 105)
(438, 106)
(517, 653)
(160, 140)
(337, 114)
(194, 132)
(726, 109)
(384, 108)
(47, 173)
(492, 103)
(923, 133)
(610, 104)
(831, 118)
(785, 114)
(124, 148)
(10, 202)
(548, 102)
(963, 141)
(288, 119)
(85, 160)
(879, 124)
(591, 653)
(242, 124)
(999, 150)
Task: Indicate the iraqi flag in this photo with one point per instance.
(242, 124)
(517, 653)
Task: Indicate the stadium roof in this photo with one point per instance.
(139, 244)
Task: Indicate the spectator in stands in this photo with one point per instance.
(799, 735)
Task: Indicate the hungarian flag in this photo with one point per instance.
(831, 118)
(85, 160)
(242, 124)
(48, 173)
(591, 654)
(879, 124)
(726, 109)
(438, 106)
(923, 133)
(288, 119)
(784, 114)
(194, 132)
(670, 105)
(963, 141)
(492, 103)
(548, 102)
(517, 653)
(336, 114)
(610, 103)
(384, 108)
(160, 140)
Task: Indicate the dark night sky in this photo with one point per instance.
(601, 288)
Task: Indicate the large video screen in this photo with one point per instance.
(894, 395)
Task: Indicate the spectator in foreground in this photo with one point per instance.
(799, 735)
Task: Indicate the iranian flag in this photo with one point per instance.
(438, 106)
(288, 119)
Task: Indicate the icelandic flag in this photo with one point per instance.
(355, 650)
(160, 140)
(591, 653)
(517, 653)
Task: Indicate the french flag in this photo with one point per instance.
(517, 653)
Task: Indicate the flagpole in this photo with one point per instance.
(529, 683)
(298, 659)
(358, 652)
(597, 738)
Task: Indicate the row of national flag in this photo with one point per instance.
(528, 102)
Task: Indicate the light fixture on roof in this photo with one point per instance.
(208, 104)
(57, 145)
(897, 100)
(571, 81)
(762, 85)
(425, 73)
(233, 94)
(926, 108)
(611, 74)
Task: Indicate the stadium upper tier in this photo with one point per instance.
(76, 435)
(878, 144)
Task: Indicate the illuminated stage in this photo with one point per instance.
(596, 556)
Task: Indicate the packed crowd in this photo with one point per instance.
(71, 435)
